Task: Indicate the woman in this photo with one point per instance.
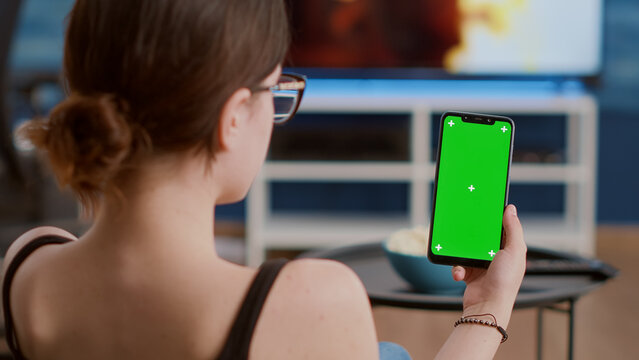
(170, 112)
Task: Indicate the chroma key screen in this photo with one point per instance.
(471, 188)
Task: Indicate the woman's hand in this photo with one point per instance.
(489, 291)
(494, 290)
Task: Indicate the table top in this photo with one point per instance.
(386, 287)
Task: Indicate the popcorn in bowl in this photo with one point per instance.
(406, 250)
(409, 241)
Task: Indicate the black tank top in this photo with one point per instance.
(238, 341)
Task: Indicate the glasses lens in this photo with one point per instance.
(286, 98)
(284, 105)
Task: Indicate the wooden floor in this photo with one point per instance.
(606, 320)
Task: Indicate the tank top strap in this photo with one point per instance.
(238, 341)
(27, 249)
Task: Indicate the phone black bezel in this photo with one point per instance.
(468, 117)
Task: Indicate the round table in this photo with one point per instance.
(540, 290)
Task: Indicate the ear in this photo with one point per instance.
(234, 114)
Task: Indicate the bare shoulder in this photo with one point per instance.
(28, 236)
(319, 283)
(318, 309)
(325, 280)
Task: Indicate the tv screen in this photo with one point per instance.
(468, 37)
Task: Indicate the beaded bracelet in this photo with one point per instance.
(471, 320)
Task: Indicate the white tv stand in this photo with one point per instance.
(574, 231)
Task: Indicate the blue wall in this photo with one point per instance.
(618, 96)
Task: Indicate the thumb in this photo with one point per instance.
(459, 273)
(513, 232)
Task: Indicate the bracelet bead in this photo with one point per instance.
(471, 320)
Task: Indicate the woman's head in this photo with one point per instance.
(150, 77)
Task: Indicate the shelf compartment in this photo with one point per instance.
(344, 198)
(539, 139)
(343, 137)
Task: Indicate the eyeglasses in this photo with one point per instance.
(287, 95)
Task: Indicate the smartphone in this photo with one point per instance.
(470, 189)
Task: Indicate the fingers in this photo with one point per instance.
(459, 273)
(514, 234)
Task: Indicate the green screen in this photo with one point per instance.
(471, 188)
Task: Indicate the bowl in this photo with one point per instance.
(407, 256)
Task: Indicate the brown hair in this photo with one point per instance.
(149, 77)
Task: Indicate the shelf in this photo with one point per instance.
(549, 173)
(405, 171)
(571, 230)
(336, 171)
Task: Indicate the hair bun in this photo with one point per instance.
(87, 139)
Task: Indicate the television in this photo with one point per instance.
(447, 38)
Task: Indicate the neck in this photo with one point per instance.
(171, 215)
